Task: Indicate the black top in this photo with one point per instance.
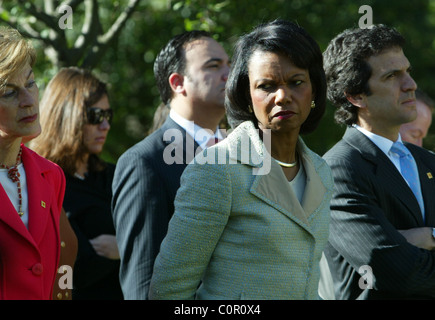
(87, 205)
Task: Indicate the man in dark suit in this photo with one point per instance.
(380, 244)
(191, 72)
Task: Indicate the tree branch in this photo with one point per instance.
(25, 29)
(91, 26)
(89, 46)
(104, 41)
(30, 8)
(120, 22)
(49, 7)
(57, 37)
(72, 3)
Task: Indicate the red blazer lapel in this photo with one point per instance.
(40, 200)
(39, 191)
(9, 215)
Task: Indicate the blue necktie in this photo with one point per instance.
(409, 170)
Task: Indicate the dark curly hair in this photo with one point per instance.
(279, 36)
(346, 67)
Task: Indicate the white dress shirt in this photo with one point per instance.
(12, 191)
(382, 143)
(200, 135)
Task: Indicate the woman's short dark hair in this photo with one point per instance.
(346, 67)
(283, 37)
(172, 59)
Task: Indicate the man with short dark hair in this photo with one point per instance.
(191, 72)
(383, 207)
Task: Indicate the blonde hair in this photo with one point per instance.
(63, 113)
(15, 53)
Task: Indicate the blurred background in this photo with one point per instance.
(119, 40)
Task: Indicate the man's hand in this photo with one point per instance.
(420, 237)
(105, 245)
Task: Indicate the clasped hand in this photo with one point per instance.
(105, 245)
(420, 237)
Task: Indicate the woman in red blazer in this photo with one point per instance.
(31, 187)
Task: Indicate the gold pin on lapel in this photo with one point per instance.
(42, 204)
(429, 175)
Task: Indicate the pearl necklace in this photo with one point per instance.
(287, 165)
(14, 175)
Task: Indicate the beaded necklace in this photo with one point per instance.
(14, 175)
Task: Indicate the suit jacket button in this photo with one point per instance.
(37, 269)
(59, 296)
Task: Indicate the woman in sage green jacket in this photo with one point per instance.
(252, 213)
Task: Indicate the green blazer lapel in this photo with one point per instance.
(315, 189)
(274, 189)
(270, 184)
(245, 146)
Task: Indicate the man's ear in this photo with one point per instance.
(176, 81)
(358, 100)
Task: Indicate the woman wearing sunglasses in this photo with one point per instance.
(76, 117)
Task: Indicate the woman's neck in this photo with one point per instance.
(283, 147)
(9, 152)
(82, 167)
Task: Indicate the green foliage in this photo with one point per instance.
(127, 65)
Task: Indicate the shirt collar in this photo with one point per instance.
(382, 143)
(200, 135)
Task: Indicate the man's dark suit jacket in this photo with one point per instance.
(144, 188)
(371, 202)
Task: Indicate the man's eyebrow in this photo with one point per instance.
(392, 71)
